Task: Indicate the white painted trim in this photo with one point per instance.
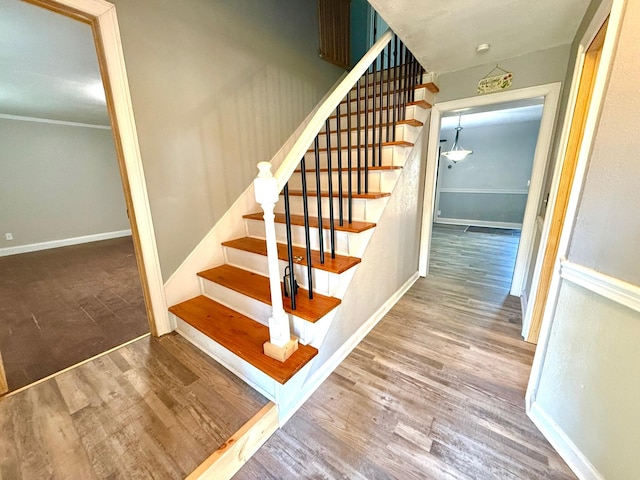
(563, 444)
(320, 375)
(551, 94)
(55, 122)
(64, 242)
(477, 223)
(614, 289)
(593, 114)
(106, 24)
(508, 191)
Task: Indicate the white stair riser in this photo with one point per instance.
(379, 180)
(420, 93)
(306, 332)
(367, 210)
(406, 133)
(324, 282)
(391, 155)
(413, 112)
(346, 243)
(270, 388)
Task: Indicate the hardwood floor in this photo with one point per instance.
(435, 391)
(155, 408)
(61, 306)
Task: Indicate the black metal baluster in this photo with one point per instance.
(373, 111)
(307, 233)
(388, 86)
(316, 149)
(339, 145)
(332, 227)
(380, 114)
(395, 90)
(358, 153)
(349, 186)
(366, 131)
(292, 278)
(403, 81)
(412, 77)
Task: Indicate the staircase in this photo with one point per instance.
(325, 215)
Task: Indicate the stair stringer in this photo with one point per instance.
(393, 249)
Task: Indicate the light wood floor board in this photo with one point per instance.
(156, 408)
(435, 391)
(62, 306)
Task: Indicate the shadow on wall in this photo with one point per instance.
(215, 91)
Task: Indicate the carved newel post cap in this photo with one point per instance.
(264, 169)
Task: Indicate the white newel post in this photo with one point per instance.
(281, 344)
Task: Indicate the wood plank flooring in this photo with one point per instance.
(61, 306)
(435, 391)
(155, 408)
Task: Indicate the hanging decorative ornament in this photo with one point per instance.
(494, 83)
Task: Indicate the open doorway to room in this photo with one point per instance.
(70, 287)
(480, 200)
(507, 196)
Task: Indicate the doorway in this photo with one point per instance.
(548, 95)
(70, 288)
(102, 21)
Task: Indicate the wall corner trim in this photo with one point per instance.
(568, 450)
(614, 289)
(314, 382)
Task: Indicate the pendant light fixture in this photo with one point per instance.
(457, 152)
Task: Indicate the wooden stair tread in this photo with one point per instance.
(411, 122)
(257, 287)
(432, 87)
(241, 336)
(258, 246)
(312, 193)
(397, 143)
(353, 227)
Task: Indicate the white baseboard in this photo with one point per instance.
(65, 242)
(477, 223)
(561, 442)
(314, 382)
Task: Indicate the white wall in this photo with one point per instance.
(537, 68)
(490, 186)
(57, 182)
(589, 385)
(216, 88)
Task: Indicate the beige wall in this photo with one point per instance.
(537, 68)
(57, 182)
(216, 88)
(590, 377)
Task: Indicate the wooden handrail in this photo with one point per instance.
(292, 160)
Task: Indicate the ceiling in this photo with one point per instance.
(443, 34)
(500, 115)
(46, 74)
(50, 70)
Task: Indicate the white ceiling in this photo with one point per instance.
(504, 114)
(443, 34)
(46, 74)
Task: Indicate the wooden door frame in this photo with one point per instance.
(101, 16)
(562, 206)
(614, 10)
(551, 94)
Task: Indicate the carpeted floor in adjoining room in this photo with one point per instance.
(61, 306)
